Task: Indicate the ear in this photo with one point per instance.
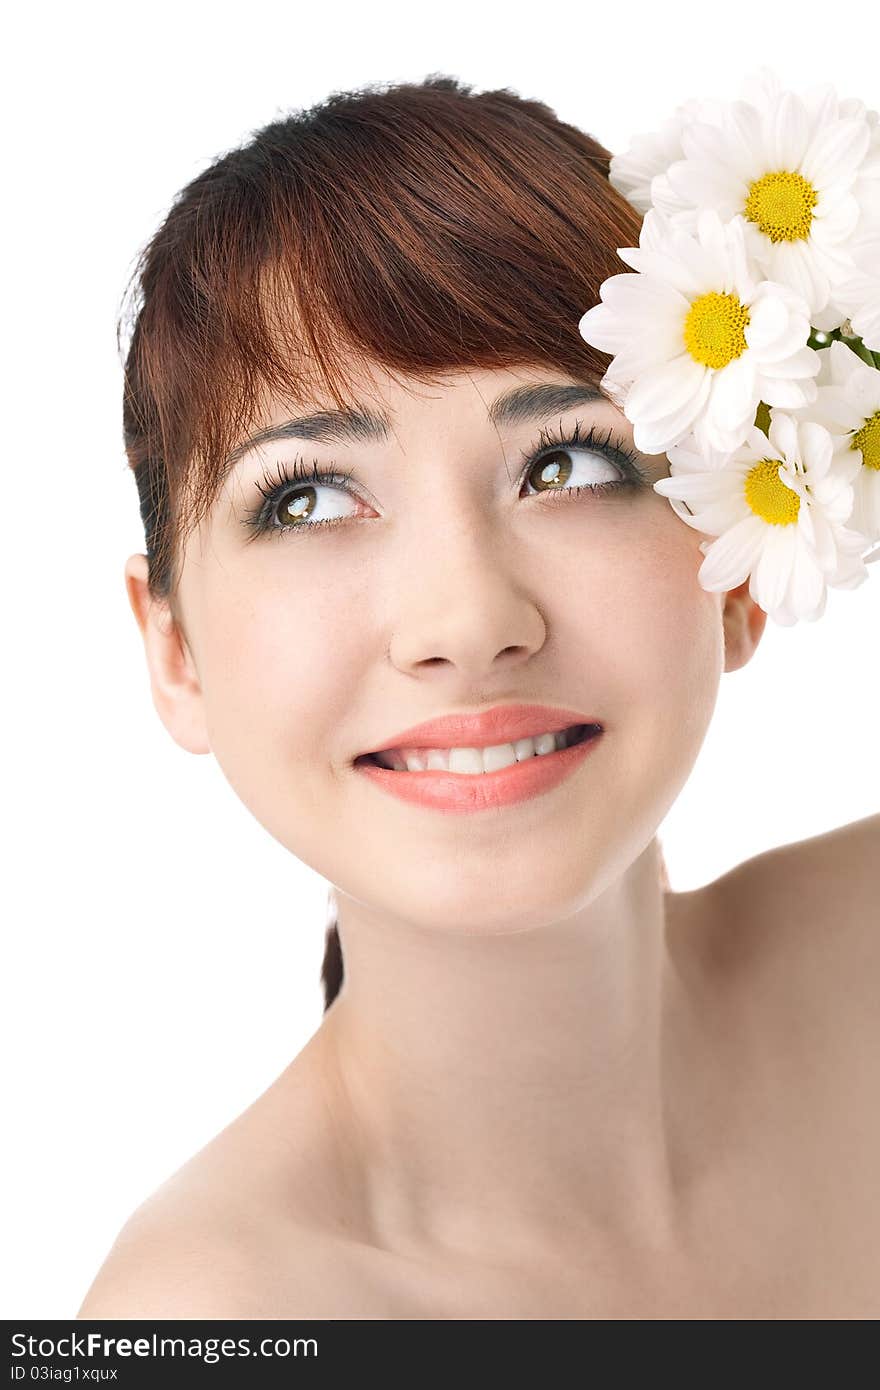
(174, 680)
(744, 622)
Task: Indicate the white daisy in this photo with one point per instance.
(859, 296)
(791, 166)
(697, 339)
(848, 405)
(779, 508)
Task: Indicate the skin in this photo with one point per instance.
(530, 1086)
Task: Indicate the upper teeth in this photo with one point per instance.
(471, 760)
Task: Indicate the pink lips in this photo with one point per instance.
(481, 791)
(501, 724)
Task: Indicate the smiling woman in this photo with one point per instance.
(426, 227)
(408, 580)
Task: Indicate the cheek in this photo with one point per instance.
(638, 609)
(668, 658)
(278, 687)
(676, 621)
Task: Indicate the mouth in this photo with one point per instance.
(471, 761)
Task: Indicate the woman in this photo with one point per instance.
(545, 1086)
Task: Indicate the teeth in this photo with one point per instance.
(472, 760)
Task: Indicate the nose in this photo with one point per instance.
(465, 607)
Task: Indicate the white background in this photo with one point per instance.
(162, 951)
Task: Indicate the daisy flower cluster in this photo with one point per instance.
(746, 343)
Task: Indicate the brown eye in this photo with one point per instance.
(552, 472)
(296, 506)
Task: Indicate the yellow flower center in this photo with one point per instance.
(768, 496)
(714, 330)
(868, 440)
(782, 205)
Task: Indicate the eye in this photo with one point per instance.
(560, 471)
(299, 499)
(557, 472)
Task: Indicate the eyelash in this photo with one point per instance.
(291, 477)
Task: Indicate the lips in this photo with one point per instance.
(486, 728)
(491, 792)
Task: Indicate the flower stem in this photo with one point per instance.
(858, 347)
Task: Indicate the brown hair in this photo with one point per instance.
(425, 226)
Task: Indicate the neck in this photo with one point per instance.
(505, 1089)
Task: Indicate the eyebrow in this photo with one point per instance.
(514, 407)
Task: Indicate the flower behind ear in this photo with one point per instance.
(735, 344)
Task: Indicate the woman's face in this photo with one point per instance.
(449, 582)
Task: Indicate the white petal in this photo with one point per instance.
(787, 395)
(668, 269)
(717, 519)
(702, 185)
(706, 143)
(836, 412)
(833, 259)
(775, 565)
(823, 541)
(640, 355)
(791, 131)
(746, 270)
(829, 318)
(698, 489)
(836, 149)
(653, 231)
(641, 295)
(733, 399)
(743, 126)
(681, 511)
(768, 320)
(806, 585)
(665, 388)
(730, 558)
(783, 435)
(603, 329)
(664, 198)
(795, 331)
(799, 365)
(710, 435)
(835, 223)
(655, 436)
(778, 615)
(794, 265)
(816, 447)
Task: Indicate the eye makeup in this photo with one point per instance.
(295, 480)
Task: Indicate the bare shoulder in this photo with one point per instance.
(169, 1262)
(172, 1263)
(244, 1229)
(811, 908)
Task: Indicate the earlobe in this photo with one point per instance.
(744, 622)
(174, 679)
